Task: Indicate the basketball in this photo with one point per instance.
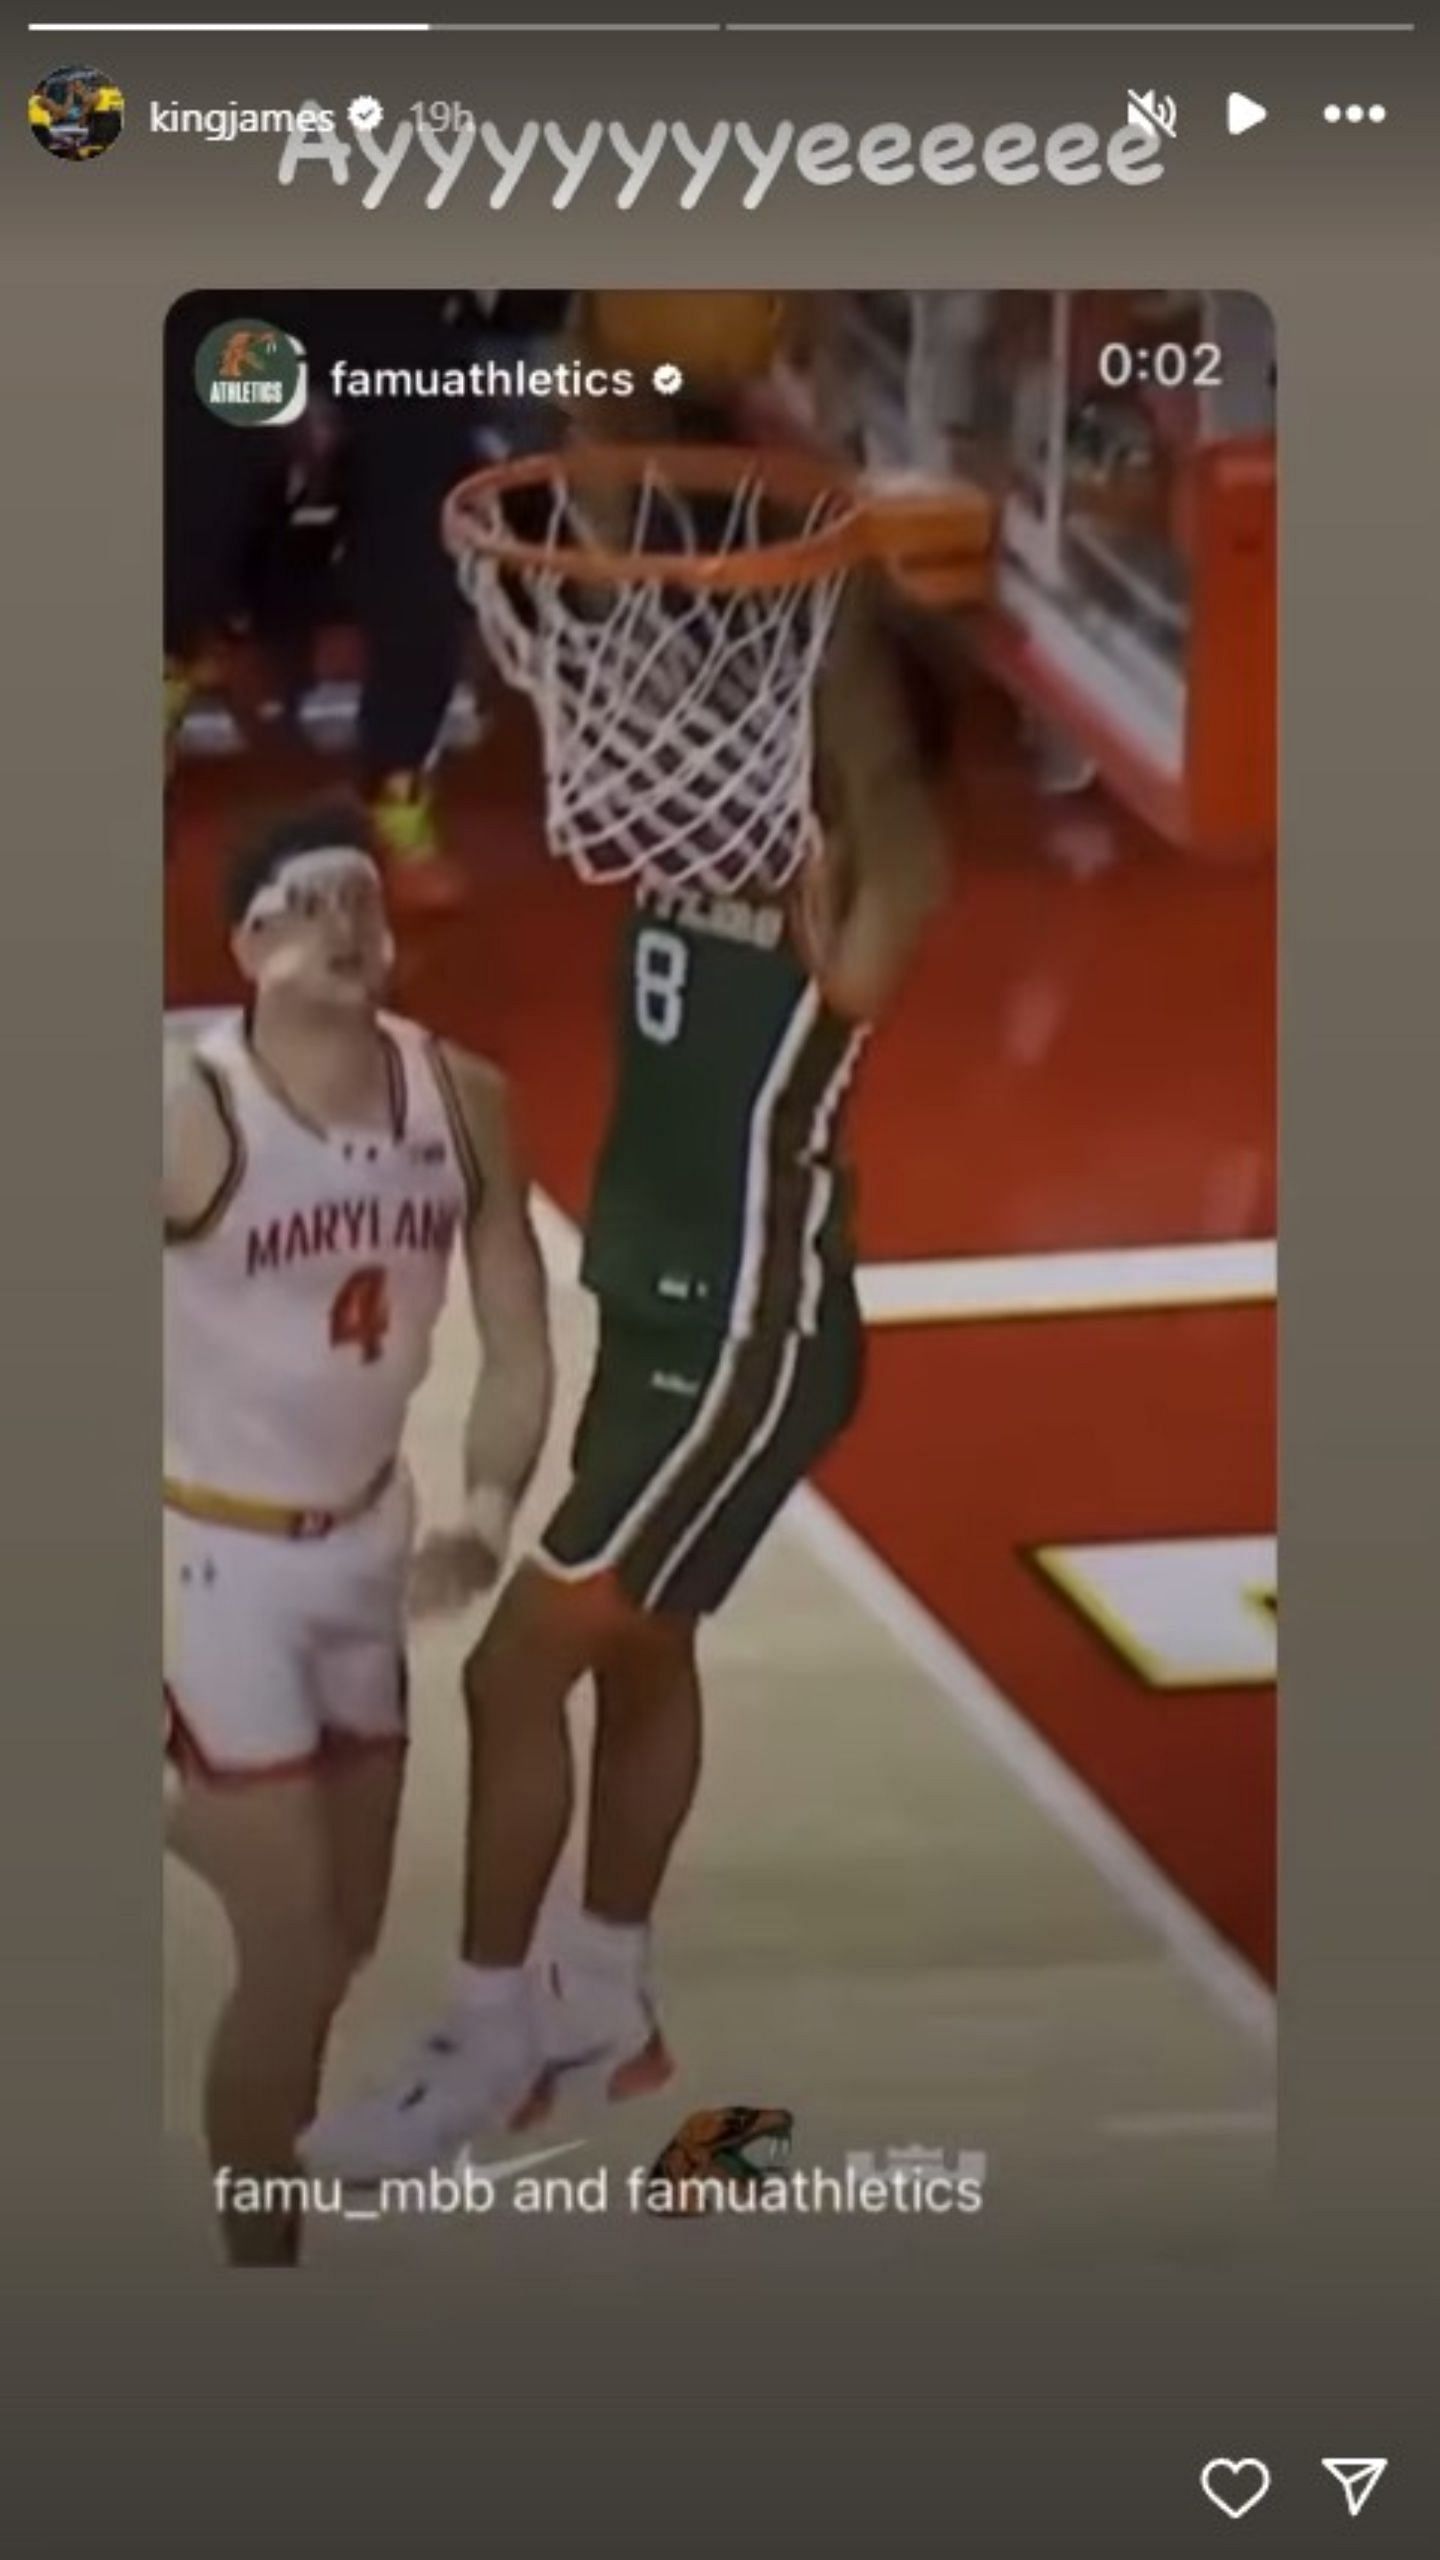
(716, 339)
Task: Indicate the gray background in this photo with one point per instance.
(850, 2387)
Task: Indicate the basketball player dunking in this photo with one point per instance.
(719, 1249)
(323, 1162)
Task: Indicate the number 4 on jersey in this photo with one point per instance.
(360, 1316)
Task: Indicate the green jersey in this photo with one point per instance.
(720, 1198)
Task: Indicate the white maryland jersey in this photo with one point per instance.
(300, 1311)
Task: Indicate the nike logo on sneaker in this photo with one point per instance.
(496, 2169)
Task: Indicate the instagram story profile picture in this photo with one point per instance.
(76, 113)
(248, 373)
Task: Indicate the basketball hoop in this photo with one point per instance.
(666, 609)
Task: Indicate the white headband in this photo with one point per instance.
(304, 870)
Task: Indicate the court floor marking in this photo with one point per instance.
(1133, 1277)
(1049, 1781)
(1009, 1736)
(1113, 1279)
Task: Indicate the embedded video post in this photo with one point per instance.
(720, 1267)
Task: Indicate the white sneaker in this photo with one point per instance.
(478, 2073)
(600, 2035)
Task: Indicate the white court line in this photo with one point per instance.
(1038, 1284)
(1048, 1780)
(1027, 1284)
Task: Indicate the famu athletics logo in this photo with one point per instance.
(252, 374)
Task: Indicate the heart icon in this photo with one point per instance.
(1235, 2487)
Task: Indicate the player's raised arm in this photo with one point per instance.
(884, 871)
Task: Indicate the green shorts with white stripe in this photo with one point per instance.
(689, 1445)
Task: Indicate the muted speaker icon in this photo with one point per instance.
(1157, 115)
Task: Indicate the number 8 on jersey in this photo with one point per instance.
(662, 965)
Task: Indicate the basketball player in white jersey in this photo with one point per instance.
(324, 1162)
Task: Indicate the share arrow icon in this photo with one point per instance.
(1357, 2476)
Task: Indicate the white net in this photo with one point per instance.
(676, 720)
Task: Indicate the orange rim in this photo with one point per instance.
(861, 528)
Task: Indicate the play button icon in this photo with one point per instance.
(1242, 112)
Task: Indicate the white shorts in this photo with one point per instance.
(280, 1652)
